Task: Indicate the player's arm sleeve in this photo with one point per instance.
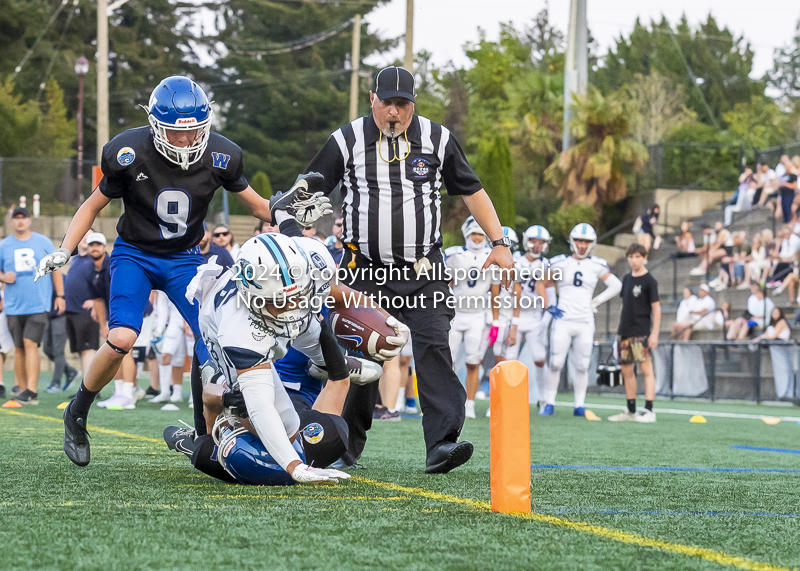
(335, 362)
(458, 176)
(613, 287)
(113, 184)
(237, 182)
(328, 162)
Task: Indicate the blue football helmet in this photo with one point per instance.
(244, 457)
(179, 104)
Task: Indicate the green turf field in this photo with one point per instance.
(141, 506)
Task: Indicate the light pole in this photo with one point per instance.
(81, 69)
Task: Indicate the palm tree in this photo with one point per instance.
(592, 171)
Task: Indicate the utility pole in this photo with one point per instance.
(408, 61)
(576, 66)
(102, 77)
(355, 63)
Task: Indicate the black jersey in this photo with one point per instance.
(164, 204)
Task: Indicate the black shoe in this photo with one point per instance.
(151, 392)
(180, 439)
(295, 201)
(378, 412)
(448, 455)
(27, 397)
(72, 374)
(15, 390)
(2, 391)
(76, 438)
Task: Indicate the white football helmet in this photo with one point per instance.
(582, 231)
(536, 233)
(512, 235)
(273, 273)
(469, 227)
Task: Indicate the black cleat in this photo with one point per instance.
(15, 390)
(2, 391)
(71, 375)
(180, 439)
(448, 455)
(151, 392)
(76, 438)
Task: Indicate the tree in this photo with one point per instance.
(261, 184)
(592, 171)
(19, 121)
(712, 65)
(785, 76)
(759, 123)
(661, 106)
(493, 166)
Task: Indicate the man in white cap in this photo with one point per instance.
(702, 313)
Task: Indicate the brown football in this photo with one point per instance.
(361, 329)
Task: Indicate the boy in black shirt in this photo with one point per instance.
(639, 323)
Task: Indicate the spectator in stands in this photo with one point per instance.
(209, 248)
(731, 269)
(683, 316)
(713, 251)
(742, 198)
(779, 329)
(644, 228)
(788, 187)
(757, 307)
(334, 241)
(685, 242)
(701, 314)
(722, 314)
(785, 259)
(27, 303)
(264, 228)
(756, 263)
(765, 184)
(222, 236)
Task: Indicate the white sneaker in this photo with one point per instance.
(697, 272)
(177, 394)
(161, 397)
(170, 407)
(114, 399)
(469, 409)
(411, 410)
(488, 412)
(124, 403)
(139, 393)
(480, 395)
(624, 415)
(646, 416)
(714, 283)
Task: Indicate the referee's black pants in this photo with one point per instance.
(441, 394)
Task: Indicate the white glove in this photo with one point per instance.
(52, 262)
(595, 304)
(307, 475)
(401, 332)
(308, 211)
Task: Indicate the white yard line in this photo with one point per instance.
(687, 412)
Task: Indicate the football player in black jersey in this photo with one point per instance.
(166, 175)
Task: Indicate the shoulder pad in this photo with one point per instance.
(221, 153)
(600, 261)
(558, 259)
(453, 250)
(128, 150)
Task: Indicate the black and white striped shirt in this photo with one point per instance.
(392, 208)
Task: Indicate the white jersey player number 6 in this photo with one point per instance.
(172, 209)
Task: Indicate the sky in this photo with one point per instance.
(442, 27)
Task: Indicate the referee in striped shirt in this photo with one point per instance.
(390, 167)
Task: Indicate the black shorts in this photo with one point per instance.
(29, 327)
(83, 332)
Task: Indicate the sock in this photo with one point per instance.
(197, 393)
(648, 404)
(632, 406)
(401, 398)
(127, 390)
(541, 381)
(580, 384)
(552, 386)
(118, 387)
(83, 400)
(164, 376)
(177, 390)
(471, 401)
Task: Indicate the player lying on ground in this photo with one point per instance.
(166, 175)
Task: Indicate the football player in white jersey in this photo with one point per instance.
(471, 289)
(573, 317)
(248, 317)
(529, 326)
(506, 309)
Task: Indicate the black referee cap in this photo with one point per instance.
(394, 81)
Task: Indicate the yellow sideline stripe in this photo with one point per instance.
(609, 533)
(90, 427)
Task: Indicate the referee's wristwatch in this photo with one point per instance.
(504, 241)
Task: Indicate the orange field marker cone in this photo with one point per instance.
(510, 434)
(11, 404)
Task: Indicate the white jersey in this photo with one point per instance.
(470, 285)
(237, 339)
(527, 273)
(576, 286)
